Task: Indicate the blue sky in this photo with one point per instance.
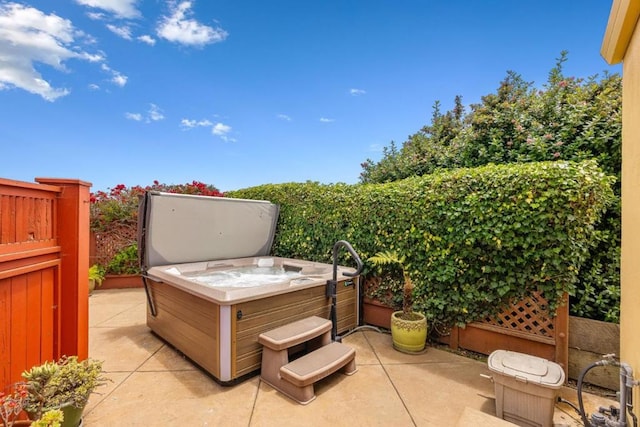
(241, 93)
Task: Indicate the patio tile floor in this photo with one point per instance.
(154, 385)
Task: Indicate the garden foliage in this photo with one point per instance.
(567, 119)
(474, 237)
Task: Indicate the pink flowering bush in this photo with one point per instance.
(114, 221)
(119, 206)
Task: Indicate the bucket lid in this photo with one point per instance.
(526, 368)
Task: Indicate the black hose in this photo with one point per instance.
(561, 400)
(584, 372)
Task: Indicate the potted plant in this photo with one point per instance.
(65, 385)
(13, 403)
(96, 276)
(408, 328)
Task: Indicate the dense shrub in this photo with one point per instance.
(119, 206)
(567, 119)
(474, 238)
(126, 261)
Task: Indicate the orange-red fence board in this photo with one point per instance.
(19, 310)
(43, 240)
(5, 332)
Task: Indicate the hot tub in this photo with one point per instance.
(212, 286)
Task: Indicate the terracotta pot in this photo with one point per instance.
(376, 313)
(409, 336)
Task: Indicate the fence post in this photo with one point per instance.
(72, 232)
(562, 335)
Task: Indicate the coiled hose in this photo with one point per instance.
(626, 390)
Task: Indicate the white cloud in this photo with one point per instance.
(94, 86)
(155, 113)
(29, 36)
(357, 92)
(326, 120)
(221, 129)
(179, 27)
(96, 16)
(284, 117)
(120, 8)
(147, 39)
(124, 31)
(117, 77)
(190, 124)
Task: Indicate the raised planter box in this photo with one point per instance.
(589, 340)
(376, 314)
(121, 281)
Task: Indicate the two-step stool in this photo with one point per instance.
(296, 378)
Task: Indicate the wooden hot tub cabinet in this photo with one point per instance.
(223, 339)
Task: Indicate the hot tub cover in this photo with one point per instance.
(179, 228)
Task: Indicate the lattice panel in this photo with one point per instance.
(530, 315)
(109, 243)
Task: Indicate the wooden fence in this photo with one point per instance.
(44, 252)
(526, 327)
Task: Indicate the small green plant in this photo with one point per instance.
(125, 262)
(52, 418)
(392, 258)
(55, 384)
(97, 273)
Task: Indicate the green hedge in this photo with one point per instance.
(474, 238)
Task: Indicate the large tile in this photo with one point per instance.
(473, 418)
(117, 307)
(114, 380)
(364, 352)
(175, 398)
(383, 347)
(131, 296)
(436, 393)
(118, 315)
(167, 359)
(124, 348)
(366, 398)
